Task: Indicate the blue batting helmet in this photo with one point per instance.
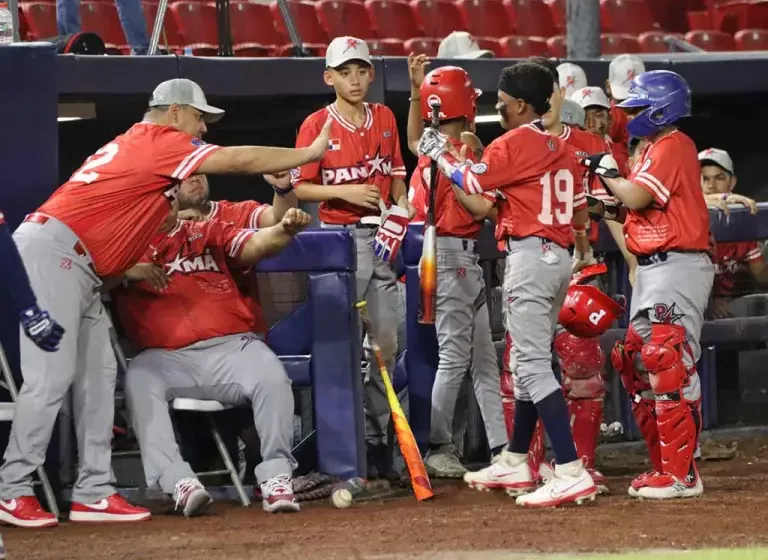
(666, 96)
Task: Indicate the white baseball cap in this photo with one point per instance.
(461, 44)
(181, 91)
(344, 49)
(620, 73)
(572, 113)
(571, 77)
(591, 97)
(718, 157)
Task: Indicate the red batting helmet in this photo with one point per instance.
(588, 312)
(452, 88)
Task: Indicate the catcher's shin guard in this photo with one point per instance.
(678, 420)
(507, 390)
(581, 364)
(643, 409)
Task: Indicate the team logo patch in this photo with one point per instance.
(387, 134)
(334, 145)
(666, 314)
(433, 100)
(646, 165)
(66, 264)
(461, 272)
(478, 168)
(551, 145)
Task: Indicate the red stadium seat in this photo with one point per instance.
(699, 20)
(170, 37)
(733, 16)
(421, 45)
(653, 41)
(24, 34)
(531, 17)
(491, 44)
(626, 16)
(196, 23)
(557, 47)
(314, 49)
(305, 19)
(387, 47)
(438, 18)
(486, 18)
(203, 50)
(393, 19)
(711, 40)
(253, 28)
(248, 50)
(338, 17)
(41, 19)
(618, 43)
(752, 40)
(101, 18)
(515, 46)
(557, 9)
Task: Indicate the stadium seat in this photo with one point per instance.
(249, 50)
(305, 19)
(734, 16)
(711, 40)
(532, 18)
(338, 17)
(556, 46)
(197, 25)
(752, 40)
(653, 41)
(491, 44)
(253, 29)
(618, 43)
(101, 18)
(486, 18)
(438, 18)
(422, 45)
(24, 34)
(170, 37)
(387, 47)
(393, 19)
(515, 46)
(626, 16)
(699, 20)
(557, 9)
(41, 19)
(314, 49)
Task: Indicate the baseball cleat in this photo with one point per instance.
(444, 463)
(571, 484)
(26, 511)
(191, 496)
(507, 471)
(638, 482)
(113, 509)
(663, 486)
(277, 495)
(600, 481)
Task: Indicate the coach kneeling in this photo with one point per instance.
(182, 308)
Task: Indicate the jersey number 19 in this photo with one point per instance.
(556, 198)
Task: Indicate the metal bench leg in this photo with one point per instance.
(50, 498)
(228, 463)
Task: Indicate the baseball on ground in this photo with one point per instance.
(342, 498)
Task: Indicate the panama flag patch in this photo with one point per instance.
(334, 144)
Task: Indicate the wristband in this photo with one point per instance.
(282, 192)
(580, 230)
(412, 99)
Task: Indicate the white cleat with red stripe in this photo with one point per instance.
(507, 471)
(571, 483)
(113, 509)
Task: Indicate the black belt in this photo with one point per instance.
(356, 225)
(660, 257)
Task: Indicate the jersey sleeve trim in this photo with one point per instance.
(398, 172)
(190, 163)
(654, 186)
(253, 221)
(580, 200)
(753, 254)
(238, 242)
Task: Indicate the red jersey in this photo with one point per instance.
(677, 218)
(618, 133)
(369, 154)
(244, 215)
(118, 200)
(539, 183)
(201, 301)
(730, 259)
(451, 218)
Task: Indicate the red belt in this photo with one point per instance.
(40, 219)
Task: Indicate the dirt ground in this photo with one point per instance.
(458, 523)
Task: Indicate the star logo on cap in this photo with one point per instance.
(352, 43)
(631, 74)
(587, 93)
(570, 81)
(709, 152)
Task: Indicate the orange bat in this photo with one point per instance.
(422, 487)
(428, 262)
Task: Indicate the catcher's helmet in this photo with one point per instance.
(452, 88)
(666, 97)
(587, 311)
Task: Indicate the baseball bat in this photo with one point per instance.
(428, 262)
(420, 483)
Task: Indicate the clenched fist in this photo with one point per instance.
(294, 221)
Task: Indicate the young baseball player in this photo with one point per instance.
(718, 180)
(462, 320)
(541, 200)
(667, 227)
(36, 323)
(193, 330)
(362, 169)
(97, 225)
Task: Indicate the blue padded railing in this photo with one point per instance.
(319, 345)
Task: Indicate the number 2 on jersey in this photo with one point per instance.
(559, 188)
(87, 173)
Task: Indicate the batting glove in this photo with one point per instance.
(603, 209)
(394, 225)
(432, 144)
(602, 165)
(582, 260)
(41, 329)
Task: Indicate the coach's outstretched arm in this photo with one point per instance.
(270, 241)
(257, 160)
